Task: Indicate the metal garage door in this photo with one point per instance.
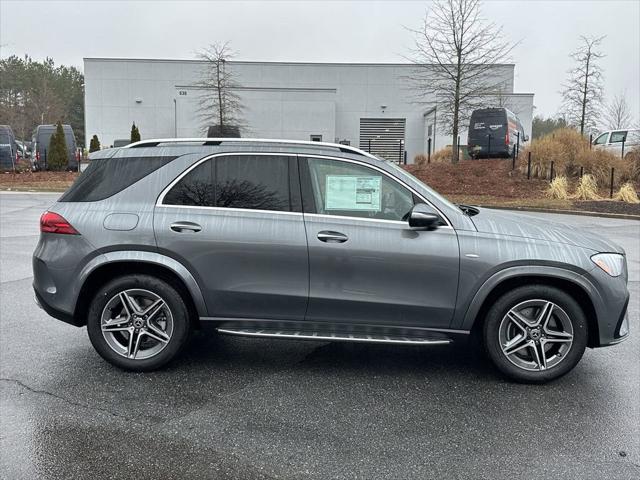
(383, 137)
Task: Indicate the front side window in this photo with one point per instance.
(618, 137)
(258, 182)
(195, 189)
(601, 140)
(341, 188)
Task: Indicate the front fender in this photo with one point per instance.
(466, 314)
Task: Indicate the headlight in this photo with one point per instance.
(611, 263)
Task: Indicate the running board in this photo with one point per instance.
(334, 337)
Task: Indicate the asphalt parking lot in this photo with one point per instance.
(243, 408)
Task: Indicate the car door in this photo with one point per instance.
(602, 140)
(616, 140)
(235, 221)
(366, 265)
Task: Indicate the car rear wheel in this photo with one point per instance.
(138, 322)
(535, 333)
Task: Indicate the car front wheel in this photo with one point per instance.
(535, 333)
(138, 322)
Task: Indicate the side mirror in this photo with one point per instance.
(526, 138)
(422, 218)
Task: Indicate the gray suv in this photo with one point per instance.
(306, 240)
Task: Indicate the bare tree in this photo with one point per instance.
(582, 94)
(219, 103)
(457, 54)
(617, 113)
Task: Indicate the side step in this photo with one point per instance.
(334, 337)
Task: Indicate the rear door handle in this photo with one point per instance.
(328, 236)
(185, 227)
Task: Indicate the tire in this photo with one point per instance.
(530, 353)
(143, 306)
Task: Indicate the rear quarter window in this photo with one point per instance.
(104, 178)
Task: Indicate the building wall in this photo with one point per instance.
(283, 100)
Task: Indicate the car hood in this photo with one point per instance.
(517, 225)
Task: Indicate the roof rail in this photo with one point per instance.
(154, 142)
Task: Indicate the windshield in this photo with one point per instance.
(402, 173)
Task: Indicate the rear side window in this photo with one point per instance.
(195, 189)
(258, 182)
(106, 177)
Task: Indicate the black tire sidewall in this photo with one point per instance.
(179, 312)
(512, 298)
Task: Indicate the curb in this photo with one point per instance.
(584, 213)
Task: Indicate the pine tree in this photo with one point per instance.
(94, 144)
(135, 133)
(57, 155)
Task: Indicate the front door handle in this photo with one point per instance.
(328, 236)
(185, 227)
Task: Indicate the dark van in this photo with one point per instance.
(8, 148)
(42, 137)
(493, 132)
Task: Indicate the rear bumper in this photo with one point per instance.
(53, 312)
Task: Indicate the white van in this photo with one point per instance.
(615, 140)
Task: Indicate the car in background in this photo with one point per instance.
(494, 132)
(8, 148)
(318, 241)
(619, 142)
(121, 142)
(41, 139)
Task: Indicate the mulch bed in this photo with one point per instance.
(479, 177)
(608, 206)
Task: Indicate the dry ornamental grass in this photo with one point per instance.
(569, 151)
(558, 188)
(587, 189)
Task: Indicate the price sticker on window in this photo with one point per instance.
(350, 192)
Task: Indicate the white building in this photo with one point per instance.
(367, 105)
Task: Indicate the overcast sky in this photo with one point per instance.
(324, 31)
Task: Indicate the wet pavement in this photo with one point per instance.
(246, 408)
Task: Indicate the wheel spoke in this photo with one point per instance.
(539, 356)
(155, 333)
(545, 314)
(129, 303)
(115, 324)
(134, 343)
(519, 320)
(515, 344)
(153, 309)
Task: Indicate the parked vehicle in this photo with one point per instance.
(308, 240)
(615, 141)
(24, 150)
(8, 148)
(121, 142)
(494, 132)
(40, 140)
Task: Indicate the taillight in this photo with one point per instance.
(38, 156)
(506, 138)
(53, 223)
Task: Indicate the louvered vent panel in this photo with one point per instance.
(383, 137)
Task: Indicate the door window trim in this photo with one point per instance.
(296, 182)
(393, 178)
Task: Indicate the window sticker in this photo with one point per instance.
(479, 125)
(352, 192)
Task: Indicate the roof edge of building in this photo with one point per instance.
(252, 62)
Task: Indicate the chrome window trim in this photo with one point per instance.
(392, 177)
(277, 154)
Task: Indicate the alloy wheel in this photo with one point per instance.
(136, 324)
(536, 335)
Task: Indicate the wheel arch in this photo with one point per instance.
(115, 264)
(570, 282)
